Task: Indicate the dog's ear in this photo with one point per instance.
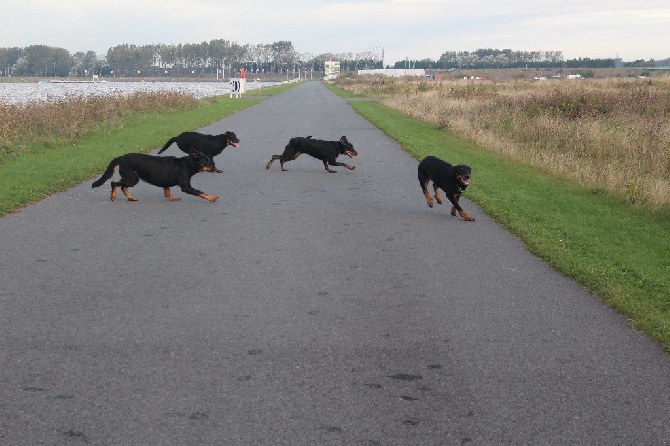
(194, 154)
(343, 140)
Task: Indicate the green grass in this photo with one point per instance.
(48, 167)
(618, 251)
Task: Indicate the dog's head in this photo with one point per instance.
(346, 148)
(231, 139)
(462, 174)
(202, 161)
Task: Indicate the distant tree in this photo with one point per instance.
(85, 64)
(8, 59)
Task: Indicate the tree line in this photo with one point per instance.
(487, 58)
(276, 59)
(181, 60)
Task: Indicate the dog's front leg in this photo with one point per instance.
(328, 169)
(168, 195)
(188, 189)
(465, 216)
(457, 208)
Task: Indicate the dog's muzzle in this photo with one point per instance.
(462, 183)
(350, 154)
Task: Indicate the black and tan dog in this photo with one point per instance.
(451, 179)
(210, 145)
(326, 151)
(161, 171)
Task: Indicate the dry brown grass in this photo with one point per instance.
(612, 134)
(71, 118)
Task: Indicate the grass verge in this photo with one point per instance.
(618, 251)
(46, 168)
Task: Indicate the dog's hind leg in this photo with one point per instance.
(286, 158)
(436, 189)
(112, 197)
(124, 189)
(168, 195)
(424, 188)
(424, 179)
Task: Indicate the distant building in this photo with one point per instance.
(618, 63)
(332, 69)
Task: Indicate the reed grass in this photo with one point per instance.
(611, 134)
(39, 125)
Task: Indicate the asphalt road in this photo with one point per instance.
(305, 308)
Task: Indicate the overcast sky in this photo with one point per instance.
(414, 29)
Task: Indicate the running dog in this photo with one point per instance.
(210, 145)
(161, 171)
(326, 151)
(451, 179)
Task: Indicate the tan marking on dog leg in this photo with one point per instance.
(424, 187)
(453, 211)
(210, 198)
(465, 216)
(429, 199)
(127, 194)
(168, 195)
(436, 189)
(113, 195)
(269, 164)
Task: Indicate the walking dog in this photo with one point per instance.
(210, 145)
(451, 179)
(161, 171)
(326, 151)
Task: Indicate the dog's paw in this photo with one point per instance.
(466, 216)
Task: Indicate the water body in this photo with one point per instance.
(18, 93)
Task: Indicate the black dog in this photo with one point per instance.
(210, 145)
(161, 171)
(451, 179)
(326, 151)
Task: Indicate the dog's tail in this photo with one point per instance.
(108, 173)
(168, 144)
